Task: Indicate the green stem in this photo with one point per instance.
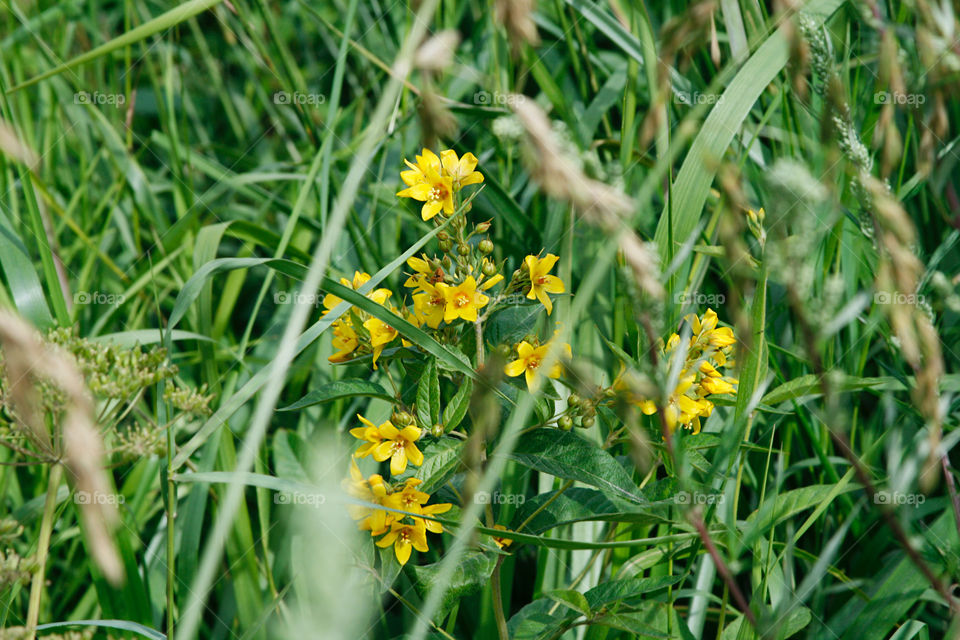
(43, 547)
(498, 602)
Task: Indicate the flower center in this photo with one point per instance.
(461, 300)
(542, 280)
(437, 301)
(437, 194)
(533, 363)
(397, 446)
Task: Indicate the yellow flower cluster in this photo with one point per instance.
(405, 532)
(710, 349)
(358, 331)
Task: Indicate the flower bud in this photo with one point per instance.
(436, 430)
(445, 244)
(401, 418)
(443, 235)
(463, 249)
(489, 269)
(483, 227)
(565, 423)
(587, 422)
(485, 246)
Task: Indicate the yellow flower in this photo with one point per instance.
(359, 279)
(501, 542)
(398, 446)
(381, 334)
(426, 184)
(430, 304)
(370, 435)
(403, 537)
(372, 489)
(412, 500)
(344, 341)
(529, 361)
(460, 170)
(432, 510)
(422, 272)
(541, 283)
(463, 300)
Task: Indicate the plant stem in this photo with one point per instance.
(498, 602)
(43, 547)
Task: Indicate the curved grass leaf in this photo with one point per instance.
(351, 388)
(122, 625)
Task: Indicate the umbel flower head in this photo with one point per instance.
(709, 349)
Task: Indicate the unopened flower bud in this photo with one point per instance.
(587, 422)
(445, 244)
(401, 418)
(574, 400)
(489, 269)
(565, 423)
(463, 249)
(436, 430)
(483, 227)
(485, 246)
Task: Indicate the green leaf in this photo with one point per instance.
(428, 396)
(510, 324)
(572, 599)
(455, 411)
(350, 388)
(631, 591)
(441, 459)
(566, 455)
(472, 573)
(579, 504)
(21, 277)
